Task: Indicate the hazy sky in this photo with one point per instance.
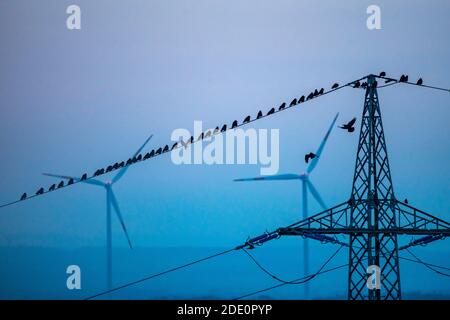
(72, 101)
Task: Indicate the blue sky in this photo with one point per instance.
(74, 101)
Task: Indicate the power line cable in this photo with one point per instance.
(295, 281)
(179, 145)
(283, 284)
(160, 274)
(395, 81)
(291, 282)
(429, 266)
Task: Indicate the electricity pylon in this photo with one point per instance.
(372, 218)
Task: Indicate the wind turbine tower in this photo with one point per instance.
(307, 186)
(111, 203)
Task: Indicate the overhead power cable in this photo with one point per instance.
(391, 81)
(298, 280)
(292, 282)
(429, 266)
(129, 284)
(166, 149)
(235, 124)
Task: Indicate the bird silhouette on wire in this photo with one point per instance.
(259, 115)
(309, 156)
(419, 82)
(403, 78)
(349, 126)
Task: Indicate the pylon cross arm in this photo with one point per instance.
(406, 220)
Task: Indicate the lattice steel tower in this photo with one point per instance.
(372, 181)
(372, 218)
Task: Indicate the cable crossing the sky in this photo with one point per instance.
(247, 120)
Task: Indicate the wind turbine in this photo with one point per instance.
(111, 201)
(307, 185)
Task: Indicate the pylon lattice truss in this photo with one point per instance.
(372, 218)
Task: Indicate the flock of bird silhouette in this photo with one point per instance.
(348, 126)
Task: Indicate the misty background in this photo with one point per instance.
(73, 101)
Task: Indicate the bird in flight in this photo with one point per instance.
(349, 126)
(309, 156)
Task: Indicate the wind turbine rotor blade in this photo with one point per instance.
(316, 194)
(143, 145)
(289, 176)
(124, 169)
(314, 161)
(90, 181)
(119, 215)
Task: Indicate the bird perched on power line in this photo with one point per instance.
(382, 74)
(316, 93)
(52, 187)
(224, 128)
(419, 82)
(310, 96)
(309, 156)
(234, 125)
(349, 126)
(247, 119)
(40, 191)
(271, 111)
(24, 196)
(61, 184)
(406, 201)
(293, 103)
(321, 91)
(403, 78)
(83, 177)
(334, 86)
(259, 115)
(356, 84)
(302, 99)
